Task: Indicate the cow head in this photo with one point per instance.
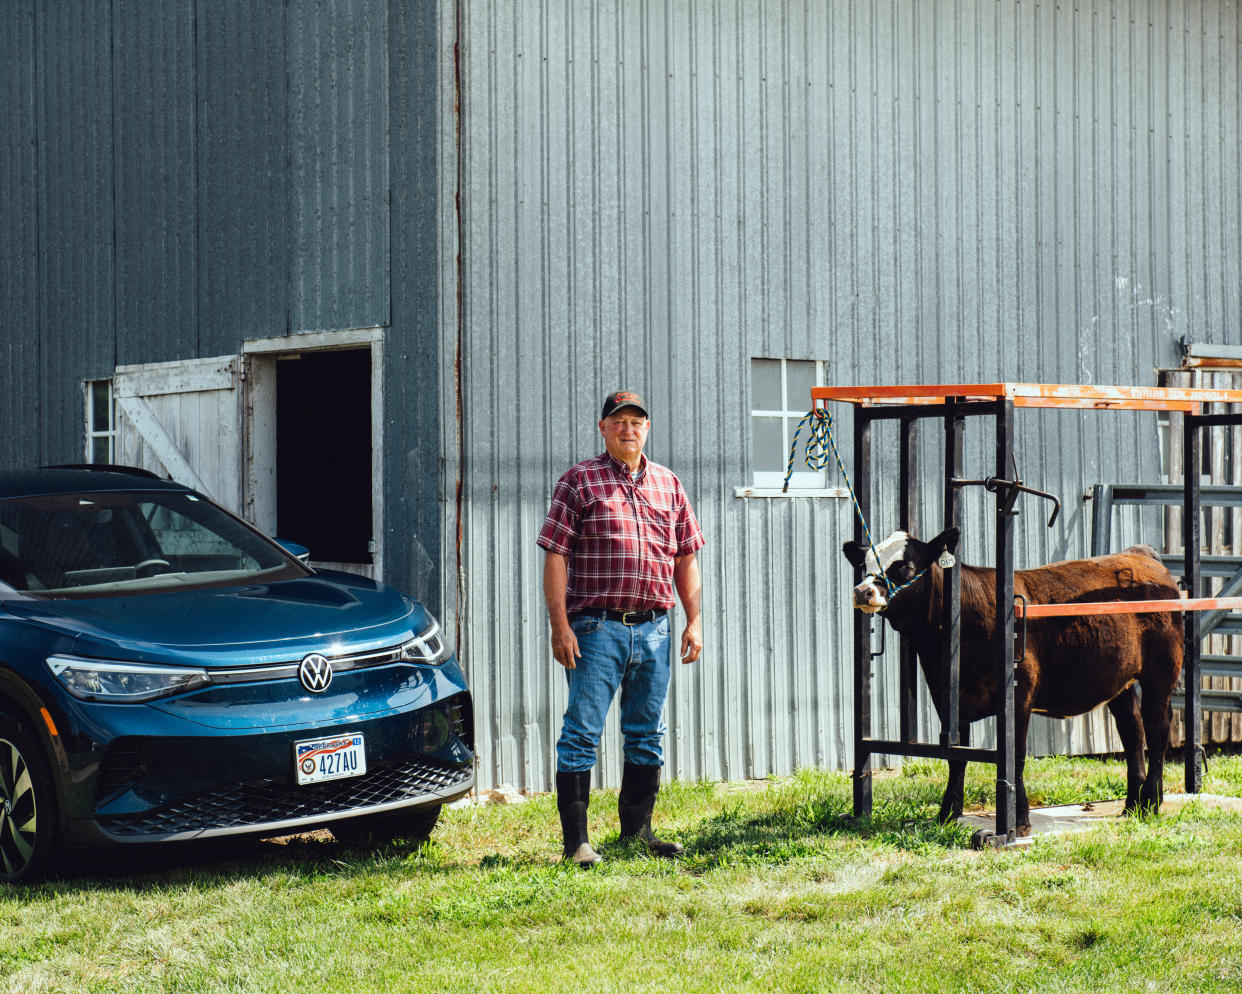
(900, 557)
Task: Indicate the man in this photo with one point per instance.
(620, 537)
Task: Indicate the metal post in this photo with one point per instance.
(1192, 644)
(951, 630)
(1006, 773)
(908, 679)
(1101, 519)
(862, 624)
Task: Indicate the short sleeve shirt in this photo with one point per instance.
(621, 534)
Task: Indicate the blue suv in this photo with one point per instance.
(169, 673)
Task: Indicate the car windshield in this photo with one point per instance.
(97, 544)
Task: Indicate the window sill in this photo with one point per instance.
(832, 492)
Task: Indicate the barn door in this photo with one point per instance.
(184, 420)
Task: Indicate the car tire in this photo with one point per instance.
(28, 827)
(379, 830)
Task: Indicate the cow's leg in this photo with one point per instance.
(1157, 689)
(1021, 724)
(1125, 711)
(955, 789)
(1156, 721)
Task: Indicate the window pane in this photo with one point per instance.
(765, 384)
(101, 400)
(100, 449)
(768, 446)
(801, 376)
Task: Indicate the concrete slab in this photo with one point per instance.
(1065, 818)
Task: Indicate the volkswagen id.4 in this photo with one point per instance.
(169, 673)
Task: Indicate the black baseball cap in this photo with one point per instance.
(623, 398)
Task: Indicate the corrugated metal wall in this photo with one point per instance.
(653, 193)
(19, 298)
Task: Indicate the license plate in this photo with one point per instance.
(317, 760)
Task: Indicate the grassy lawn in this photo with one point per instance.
(778, 893)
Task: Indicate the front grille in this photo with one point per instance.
(239, 807)
(289, 670)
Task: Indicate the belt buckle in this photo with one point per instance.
(627, 615)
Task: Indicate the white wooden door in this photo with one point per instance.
(184, 420)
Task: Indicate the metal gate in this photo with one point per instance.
(1221, 466)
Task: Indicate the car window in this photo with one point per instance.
(91, 544)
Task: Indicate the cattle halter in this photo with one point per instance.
(817, 459)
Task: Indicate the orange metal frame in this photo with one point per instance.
(1127, 607)
(1034, 395)
(1072, 396)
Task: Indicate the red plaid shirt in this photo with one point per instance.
(620, 534)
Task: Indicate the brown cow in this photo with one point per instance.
(1071, 665)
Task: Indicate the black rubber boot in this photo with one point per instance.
(639, 786)
(573, 794)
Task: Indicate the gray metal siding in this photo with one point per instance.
(153, 124)
(413, 440)
(19, 395)
(76, 274)
(242, 158)
(936, 192)
(338, 90)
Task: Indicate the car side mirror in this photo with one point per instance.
(299, 552)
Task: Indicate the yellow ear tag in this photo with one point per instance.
(946, 560)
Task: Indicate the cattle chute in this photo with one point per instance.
(953, 404)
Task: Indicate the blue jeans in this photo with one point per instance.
(636, 659)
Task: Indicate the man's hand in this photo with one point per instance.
(565, 647)
(691, 641)
(689, 588)
(555, 580)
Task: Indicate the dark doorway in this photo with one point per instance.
(323, 453)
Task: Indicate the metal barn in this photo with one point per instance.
(379, 261)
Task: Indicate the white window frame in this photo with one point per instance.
(803, 482)
(92, 432)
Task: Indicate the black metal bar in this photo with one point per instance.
(862, 623)
(1216, 495)
(1214, 700)
(920, 411)
(931, 750)
(908, 664)
(1191, 646)
(951, 601)
(1101, 519)
(1214, 566)
(1215, 420)
(1006, 773)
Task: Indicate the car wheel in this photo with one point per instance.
(378, 830)
(27, 805)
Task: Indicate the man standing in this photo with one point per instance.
(620, 536)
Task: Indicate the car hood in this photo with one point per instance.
(261, 623)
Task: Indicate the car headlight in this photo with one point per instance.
(429, 647)
(110, 680)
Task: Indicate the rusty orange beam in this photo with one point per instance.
(1063, 395)
(1128, 607)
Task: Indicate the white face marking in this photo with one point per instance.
(890, 551)
(871, 595)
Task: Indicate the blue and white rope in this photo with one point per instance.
(816, 458)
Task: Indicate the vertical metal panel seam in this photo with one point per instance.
(40, 330)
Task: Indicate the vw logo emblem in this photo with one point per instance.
(315, 673)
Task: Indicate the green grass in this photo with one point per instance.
(779, 892)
